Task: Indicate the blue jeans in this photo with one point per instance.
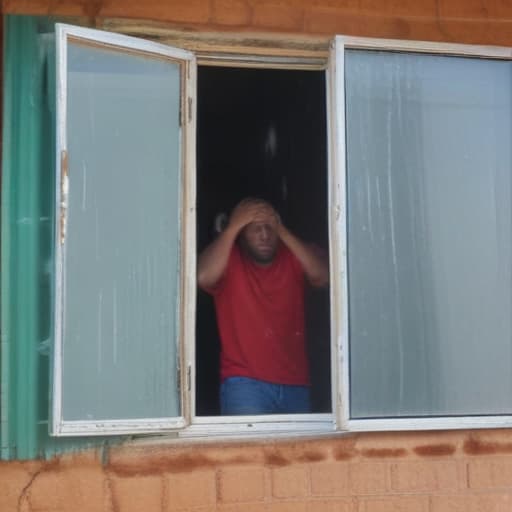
(243, 395)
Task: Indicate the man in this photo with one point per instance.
(255, 271)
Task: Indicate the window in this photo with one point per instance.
(419, 209)
(117, 253)
(427, 333)
(428, 267)
(117, 258)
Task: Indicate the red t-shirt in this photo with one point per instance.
(260, 315)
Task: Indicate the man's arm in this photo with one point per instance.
(213, 260)
(314, 264)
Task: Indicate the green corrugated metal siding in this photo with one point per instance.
(27, 262)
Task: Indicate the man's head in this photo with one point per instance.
(260, 239)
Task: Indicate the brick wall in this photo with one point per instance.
(464, 21)
(410, 472)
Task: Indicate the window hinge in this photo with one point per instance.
(189, 109)
(189, 377)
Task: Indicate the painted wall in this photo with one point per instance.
(410, 472)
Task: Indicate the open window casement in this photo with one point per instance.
(125, 140)
(421, 224)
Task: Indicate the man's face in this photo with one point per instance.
(260, 241)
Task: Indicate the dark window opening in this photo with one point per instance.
(262, 133)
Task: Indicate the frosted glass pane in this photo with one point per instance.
(429, 234)
(121, 281)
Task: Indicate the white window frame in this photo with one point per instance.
(338, 210)
(191, 425)
(264, 425)
(59, 426)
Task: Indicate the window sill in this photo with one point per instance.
(252, 426)
(253, 429)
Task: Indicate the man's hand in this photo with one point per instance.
(252, 210)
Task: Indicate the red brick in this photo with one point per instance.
(488, 474)
(275, 16)
(138, 493)
(84, 488)
(465, 9)
(342, 5)
(289, 482)
(492, 33)
(472, 503)
(347, 505)
(241, 484)
(88, 487)
(290, 506)
(246, 507)
(188, 11)
(395, 504)
(208, 508)
(43, 7)
(423, 8)
(13, 479)
(185, 490)
(232, 12)
(47, 492)
(330, 479)
(501, 10)
(424, 476)
(368, 478)
(332, 21)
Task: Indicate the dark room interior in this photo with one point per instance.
(262, 133)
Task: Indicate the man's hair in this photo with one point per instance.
(260, 200)
(264, 202)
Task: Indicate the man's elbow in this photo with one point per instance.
(203, 280)
(320, 280)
